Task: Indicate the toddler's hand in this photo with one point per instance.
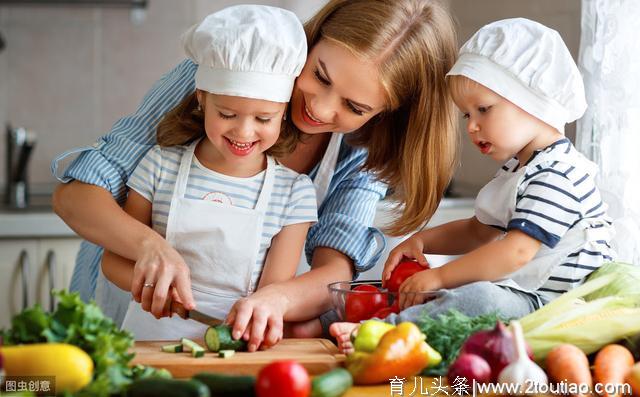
(411, 248)
(425, 280)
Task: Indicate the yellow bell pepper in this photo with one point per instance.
(402, 352)
(71, 366)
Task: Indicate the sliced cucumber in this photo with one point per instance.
(331, 384)
(219, 338)
(196, 349)
(226, 353)
(222, 385)
(174, 348)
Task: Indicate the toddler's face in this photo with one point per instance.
(496, 126)
(241, 129)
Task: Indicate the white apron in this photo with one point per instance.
(219, 243)
(495, 205)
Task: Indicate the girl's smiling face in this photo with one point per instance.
(239, 130)
(336, 91)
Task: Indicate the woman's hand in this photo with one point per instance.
(258, 318)
(159, 270)
(412, 247)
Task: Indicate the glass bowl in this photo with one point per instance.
(355, 303)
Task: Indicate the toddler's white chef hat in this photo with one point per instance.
(250, 51)
(528, 64)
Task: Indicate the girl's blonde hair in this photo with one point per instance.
(413, 144)
(185, 123)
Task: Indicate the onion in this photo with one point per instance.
(496, 346)
(470, 367)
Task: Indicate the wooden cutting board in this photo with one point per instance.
(316, 355)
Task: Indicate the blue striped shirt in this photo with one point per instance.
(345, 217)
(557, 191)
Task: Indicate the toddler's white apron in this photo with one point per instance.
(219, 243)
(495, 205)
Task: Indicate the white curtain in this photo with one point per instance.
(609, 132)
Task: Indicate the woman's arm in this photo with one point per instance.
(116, 268)
(284, 254)
(92, 212)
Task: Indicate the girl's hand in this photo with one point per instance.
(425, 280)
(411, 248)
(162, 266)
(258, 318)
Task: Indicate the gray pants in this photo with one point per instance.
(473, 299)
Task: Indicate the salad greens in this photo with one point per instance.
(447, 332)
(83, 325)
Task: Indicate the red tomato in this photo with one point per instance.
(362, 306)
(283, 378)
(403, 271)
(385, 311)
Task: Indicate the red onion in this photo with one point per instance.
(496, 346)
(470, 367)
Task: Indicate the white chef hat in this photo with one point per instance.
(250, 51)
(528, 64)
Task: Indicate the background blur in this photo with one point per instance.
(68, 72)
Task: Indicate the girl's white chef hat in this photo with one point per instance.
(250, 51)
(528, 64)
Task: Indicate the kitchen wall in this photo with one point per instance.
(69, 72)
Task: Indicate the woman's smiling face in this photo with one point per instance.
(336, 91)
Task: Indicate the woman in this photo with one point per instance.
(375, 74)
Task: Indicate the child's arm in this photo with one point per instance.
(452, 238)
(457, 237)
(489, 262)
(117, 269)
(284, 254)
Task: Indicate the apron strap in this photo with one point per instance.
(181, 185)
(183, 172)
(327, 167)
(267, 185)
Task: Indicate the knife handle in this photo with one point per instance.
(176, 307)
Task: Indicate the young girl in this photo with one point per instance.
(540, 226)
(212, 188)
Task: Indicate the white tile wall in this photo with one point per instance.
(70, 72)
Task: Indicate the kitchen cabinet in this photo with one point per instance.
(30, 268)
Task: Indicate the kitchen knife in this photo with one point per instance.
(176, 307)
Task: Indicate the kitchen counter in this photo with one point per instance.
(39, 220)
(36, 221)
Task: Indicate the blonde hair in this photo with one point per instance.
(185, 123)
(459, 86)
(413, 144)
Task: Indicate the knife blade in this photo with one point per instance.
(176, 307)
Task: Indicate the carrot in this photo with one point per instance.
(567, 363)
(611, 366)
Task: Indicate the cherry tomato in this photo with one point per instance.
(403, 271)
(283, 378)
(363, 305)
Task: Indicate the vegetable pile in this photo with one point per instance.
(603, 310)
(83, 325)
(448, 332)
